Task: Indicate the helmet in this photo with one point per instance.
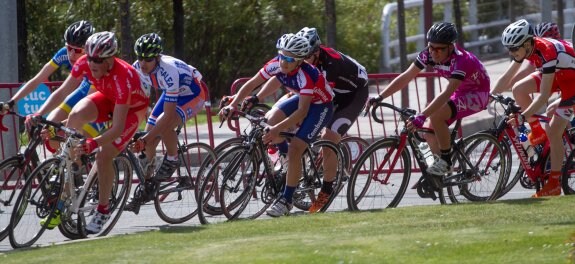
(311, 35)
(443, 32)
(547, 30)
(297, 45)
(77, 33)
(101, 45)
(517, 33)
(148, 45)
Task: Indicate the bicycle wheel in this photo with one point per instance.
(13, 175)
(380, 177)
(351, 149)
(509, 182)
(568, 175)
(485, 179)
(208, 162)
(313, 175)
(175, 201)
(121, 186)
(238, 184)
(37, 200)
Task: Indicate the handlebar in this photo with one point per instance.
(404, 112)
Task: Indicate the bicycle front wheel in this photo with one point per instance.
(380, 177)
(13, 175)
(175, 201)
(37, 200)
(483, 169)
(238, 184)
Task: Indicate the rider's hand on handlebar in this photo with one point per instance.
(138, 146)
(272, 135)
(5, 107)
(31, 121)
(87, 147)
(371, 102)
(249, 102)
(516, 120)
(416, 121)
(226, 100)
(226, 112)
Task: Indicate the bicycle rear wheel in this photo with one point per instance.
(37, 200)
(380, 177)
(13, 175)
(121, 186)
(175, 201)
(568, 174)
(487, 175)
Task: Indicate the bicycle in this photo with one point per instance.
(174, 198)
(245, 172)
(381, 175)
(60, 188)
(15, 170)
(533, 171)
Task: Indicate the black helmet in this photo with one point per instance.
(443, 32)
(148, 45)
(77, 33)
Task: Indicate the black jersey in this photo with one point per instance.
(344, 74)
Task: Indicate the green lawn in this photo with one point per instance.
(520, 231)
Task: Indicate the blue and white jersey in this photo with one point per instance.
(61, 60)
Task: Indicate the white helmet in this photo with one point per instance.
(292, 43)
(311, 35)
(516, 33)
(101, 45)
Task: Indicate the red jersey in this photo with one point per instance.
(120, 85)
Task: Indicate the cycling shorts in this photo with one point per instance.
(106, 109)
(466, 103)
(317, 117)
(187, 106)
(347, 107)
(93, 129)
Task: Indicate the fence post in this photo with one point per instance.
(9, 67)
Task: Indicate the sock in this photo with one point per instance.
(327, 187)
(446, 156)
(288, 193)
(172, 158)
(283, 147)
(103, 208)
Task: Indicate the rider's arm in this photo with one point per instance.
(401, 81)
(118, 122)
(40, 77)
(541, 100)
(298, 115)
(247, 89)
(442, 98)
(504, 82)
(269, 88)
(60, 94)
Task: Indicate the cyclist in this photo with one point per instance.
(311, 107)
(525, 79)
(119, 97)
(348, 79)
(182, 98)
(466, 93)
(75, 37)
(556, 59)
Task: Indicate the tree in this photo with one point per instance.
(330, 23)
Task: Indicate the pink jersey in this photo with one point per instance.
(461, 65)
(306, 80)
(120, 85)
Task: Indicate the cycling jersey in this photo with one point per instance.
(461, 65)
(305, 80)
(174, 77)
(61, 60)
(344, 74)
(120, 85)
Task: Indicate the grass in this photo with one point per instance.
(519, 231)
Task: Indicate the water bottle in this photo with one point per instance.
(273, 153)
(426, 153)
(526, 145)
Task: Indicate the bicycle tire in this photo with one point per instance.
(121, 187)
(37, 200)
(13, 173)
(238, 184)
(359, 184)
(175, 201)
(568, 174)
(482, 149)
(509, 182)
(312, 181)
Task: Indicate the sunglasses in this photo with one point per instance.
(76, 50)
(149, 59)
(288, 59)
(96, 60)
(436, 49)
(514, 49)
